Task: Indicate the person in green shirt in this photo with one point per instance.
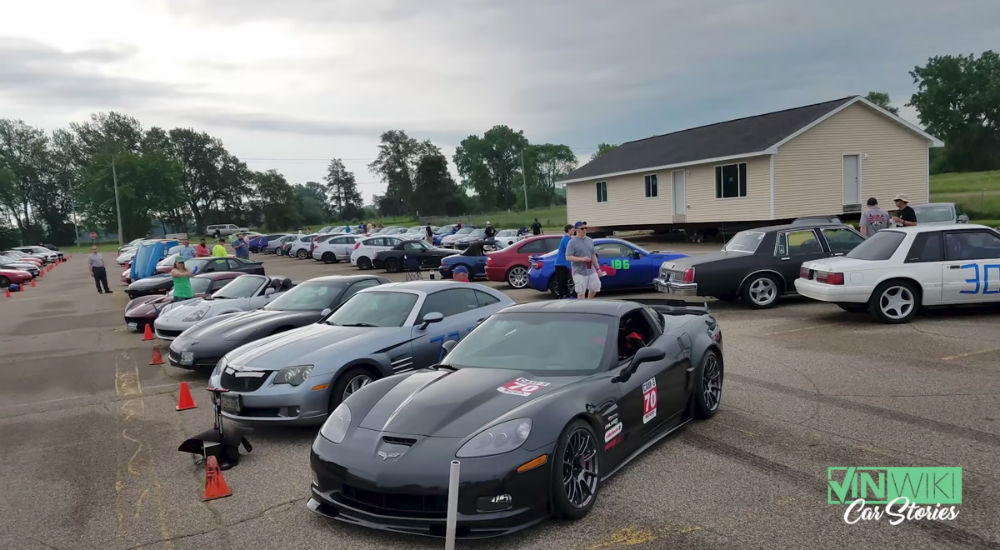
(182, 282)
(219, 249)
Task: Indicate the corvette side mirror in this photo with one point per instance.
(448, 346)
(268, 291)
(644, 355)
(431, 317)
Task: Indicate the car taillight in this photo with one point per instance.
(538, 265)
(830, 278)
(357, 246)
(489, 260)
(804, 272)
(688, 275)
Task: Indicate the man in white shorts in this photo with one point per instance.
(581, 255)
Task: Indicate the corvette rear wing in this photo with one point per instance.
(676, 307)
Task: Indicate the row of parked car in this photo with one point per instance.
(21, 264)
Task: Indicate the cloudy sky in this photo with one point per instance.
(288, 84)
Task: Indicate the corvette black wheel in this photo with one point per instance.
(708, 390)
(576, 470)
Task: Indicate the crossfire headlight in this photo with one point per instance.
(293, 375)
(196, 315)
(335, 427)
(502, 438)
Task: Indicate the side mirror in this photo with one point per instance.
(447, 347)
(326, 311)
(644, 355)
(268, 291)
(963, 218)
(431, 317)
(636, 254)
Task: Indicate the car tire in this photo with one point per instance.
(554, 286)
(853, 307)
(329, 258)
(364, 263)
(393, 265)
(302, 254)
(576, 470)
(348, 383)
(894, 302)
(708, 386)
(4, 282)
(761, 291)
(517, 277)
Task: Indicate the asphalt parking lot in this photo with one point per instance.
(88, 437)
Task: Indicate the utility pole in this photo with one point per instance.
(118, 206)
(524, 179)
(76, 228)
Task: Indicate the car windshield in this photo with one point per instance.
(478, 233)
(929, 213)
(464, 231)
(374, 309)
(195, 264)
(543, 342)
(507, 233)
(880, 246)
(745, 242)
(310, 296)
(169, 260)
(444, 229)
(243, 286)
(199, 285)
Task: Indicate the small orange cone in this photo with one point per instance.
(215, 484)
(8, 292)
(41, 272)
(32, 283)
(185, 402)
(148, 333)
(157, 357)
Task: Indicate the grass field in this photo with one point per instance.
(978, 193)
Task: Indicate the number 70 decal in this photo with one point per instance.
(982, 280)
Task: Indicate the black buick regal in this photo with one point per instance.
(756, 265)
(541, 404)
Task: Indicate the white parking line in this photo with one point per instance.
(969, 353)
(800, 329)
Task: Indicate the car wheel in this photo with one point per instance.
(517, 276)
(554, 286)
(761, 291)
(894, 302)
(853, 307)
(348, 383)
(329, 257)
(708, 389)
(392, 265)
(4, 282)
(364, 263)
(576, 478)
(302, 254)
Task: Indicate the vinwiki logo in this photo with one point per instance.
(896, 494)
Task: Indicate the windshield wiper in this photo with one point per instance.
(361, 324)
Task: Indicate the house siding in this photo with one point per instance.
(808, 169)
(627, 203)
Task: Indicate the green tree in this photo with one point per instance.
(435, 192)
(342, 190)
(958, 100)
(396, 163)
(23, 153)
(490, 163)
(277, 200)
(315, 208)
(547, 164)
(882, 100)
(602, 148)
(203, 158)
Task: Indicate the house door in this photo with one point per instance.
(852, 180)
(679, 196)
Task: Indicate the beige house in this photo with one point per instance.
(822, 159)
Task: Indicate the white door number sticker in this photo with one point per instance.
(648, 400)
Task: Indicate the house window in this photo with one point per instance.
(731, 181)
(602, 191)
(651, 186)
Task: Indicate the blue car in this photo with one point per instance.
(634, 267)
(443, 232)
(260, 242)
(472, 258)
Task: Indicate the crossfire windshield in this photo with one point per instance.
(307, 297)
(745, 242)
(243, 286)
(374, 309)
(542, 342)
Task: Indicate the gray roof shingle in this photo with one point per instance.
(722, 139)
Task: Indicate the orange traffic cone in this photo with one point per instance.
(8, 292)
(215, 484)
(41, 272)
(148, 333)
(157, 357)
(32, 283)
(185, 402)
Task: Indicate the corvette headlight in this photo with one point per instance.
(293, 375)
(502, 438)
(196, 315)
(335, 427)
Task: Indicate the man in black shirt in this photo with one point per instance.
(905, 215)
(536, 228)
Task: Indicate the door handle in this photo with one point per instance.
(785, 259)
(954, 267)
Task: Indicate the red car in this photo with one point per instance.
(511, 263)
(8, 276)
(145, 309)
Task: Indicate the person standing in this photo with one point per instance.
(219, 250)
(95, 262)
(186, 251)
(583, 259)
(182, 282)
(490, 234)
(873, 219)
(562, 264)
(458, 226)
(536, 228)
(201, 251)
(905, 216)
(429, 235)
(240, 247)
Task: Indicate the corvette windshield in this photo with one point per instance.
(543, 342)
(199, 285)
(307, 297)
(241, 287)
(374, 309)
(745, 242)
